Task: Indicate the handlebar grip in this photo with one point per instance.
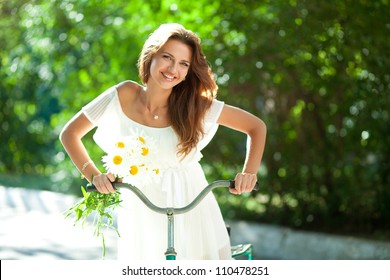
(90, 188)
(232, 185)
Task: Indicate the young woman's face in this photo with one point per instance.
(170, 64)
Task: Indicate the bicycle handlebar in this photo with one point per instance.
(171, 210)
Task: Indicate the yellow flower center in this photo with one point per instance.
(120, 145)
(133, 170)
(141, 139)
(145, 151)
(117, 160)
(157, 171)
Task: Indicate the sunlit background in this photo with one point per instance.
(317, 72)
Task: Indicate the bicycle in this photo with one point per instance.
(170, 254)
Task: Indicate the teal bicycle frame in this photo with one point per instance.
(170, 212)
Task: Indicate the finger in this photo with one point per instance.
(238, 183)
(233, 191)
(100, 183)
(254, 183)
(108, 185)
(96, 183)
(102, 187)
(111, 177)
(248, 183)
(245, 182)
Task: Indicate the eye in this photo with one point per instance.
(166, 57)
(185, 64)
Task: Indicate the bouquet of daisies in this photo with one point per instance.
(133, 160)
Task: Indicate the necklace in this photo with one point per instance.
(155, 116)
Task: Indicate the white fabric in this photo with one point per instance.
(199, 234)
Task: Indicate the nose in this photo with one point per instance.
(172, 67)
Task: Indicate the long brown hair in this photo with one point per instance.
(191, 98)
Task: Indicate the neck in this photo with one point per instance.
(155, 101)
(155, 96)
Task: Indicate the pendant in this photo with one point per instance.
(155, 117)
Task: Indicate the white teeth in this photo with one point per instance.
(169, 77)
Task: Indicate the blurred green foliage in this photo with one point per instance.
(317, 72)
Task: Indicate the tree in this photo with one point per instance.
(317, 73)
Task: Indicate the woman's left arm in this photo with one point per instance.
(256, 131)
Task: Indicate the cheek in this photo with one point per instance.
(184, 71)
(152, 65)
(157, 64)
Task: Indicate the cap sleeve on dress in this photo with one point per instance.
(96, 108)
(210, 123)
(215, 110)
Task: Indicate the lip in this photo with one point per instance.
(168, 77)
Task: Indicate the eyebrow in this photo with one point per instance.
(183, 60)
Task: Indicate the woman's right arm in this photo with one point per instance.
(71, 138)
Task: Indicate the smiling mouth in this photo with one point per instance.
(168, 77)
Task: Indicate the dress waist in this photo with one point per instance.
(176, 179)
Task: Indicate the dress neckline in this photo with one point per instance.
(133, 121)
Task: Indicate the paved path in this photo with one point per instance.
(281, 243)
(32, 226)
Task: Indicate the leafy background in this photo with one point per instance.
(317, 72)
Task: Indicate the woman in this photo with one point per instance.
(175, 106)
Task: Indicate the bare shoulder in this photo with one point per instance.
(128, 90)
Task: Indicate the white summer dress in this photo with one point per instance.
(200, 234)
